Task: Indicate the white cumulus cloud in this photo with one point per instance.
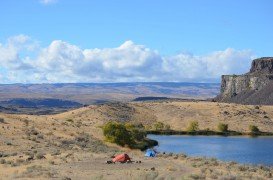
(64, 62)
(10, 52)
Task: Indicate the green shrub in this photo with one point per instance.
(193, 126)
(137, 125)
(253, 129)
(137, 131)
(167, 127)
(133, 135)
(223, 127)
(2, 161)
(40, 155)
(117, 133)
(70, 120)
(159, 126)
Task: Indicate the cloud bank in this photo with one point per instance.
(22, 60)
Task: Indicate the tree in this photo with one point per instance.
(136, 130)
(193, 126)
(253, 129)
(167, 127)
(223, 127)
(117, 133)
(158, 126)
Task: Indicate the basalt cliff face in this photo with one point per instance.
(254, 87)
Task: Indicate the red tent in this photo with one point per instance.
(121, 158)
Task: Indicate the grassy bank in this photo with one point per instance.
(160, 128)
(207, 133)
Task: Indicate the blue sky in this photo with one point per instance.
(176, 33)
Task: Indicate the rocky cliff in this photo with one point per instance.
(254, 87)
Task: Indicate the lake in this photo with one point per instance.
(242, 149)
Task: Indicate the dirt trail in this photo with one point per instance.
(97, 168)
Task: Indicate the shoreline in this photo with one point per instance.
(214, 159)
(208, 133)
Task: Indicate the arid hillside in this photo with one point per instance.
(209, 114)
(68, 145)
(178, 114)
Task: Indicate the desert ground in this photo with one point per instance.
(71, 145)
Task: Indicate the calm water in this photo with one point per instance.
(258, 150)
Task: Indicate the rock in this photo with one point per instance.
(254, 87)
(30, 158)
(262, 66)
(226, 113)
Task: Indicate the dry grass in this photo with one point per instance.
(209, 114)
(48, 146)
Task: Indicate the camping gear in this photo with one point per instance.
(150, 153)
(122, 158)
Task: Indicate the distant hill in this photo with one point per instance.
(37, 106)
(150, 98)
(36, 103)
(93, 93)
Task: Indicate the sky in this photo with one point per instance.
(51, 41)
